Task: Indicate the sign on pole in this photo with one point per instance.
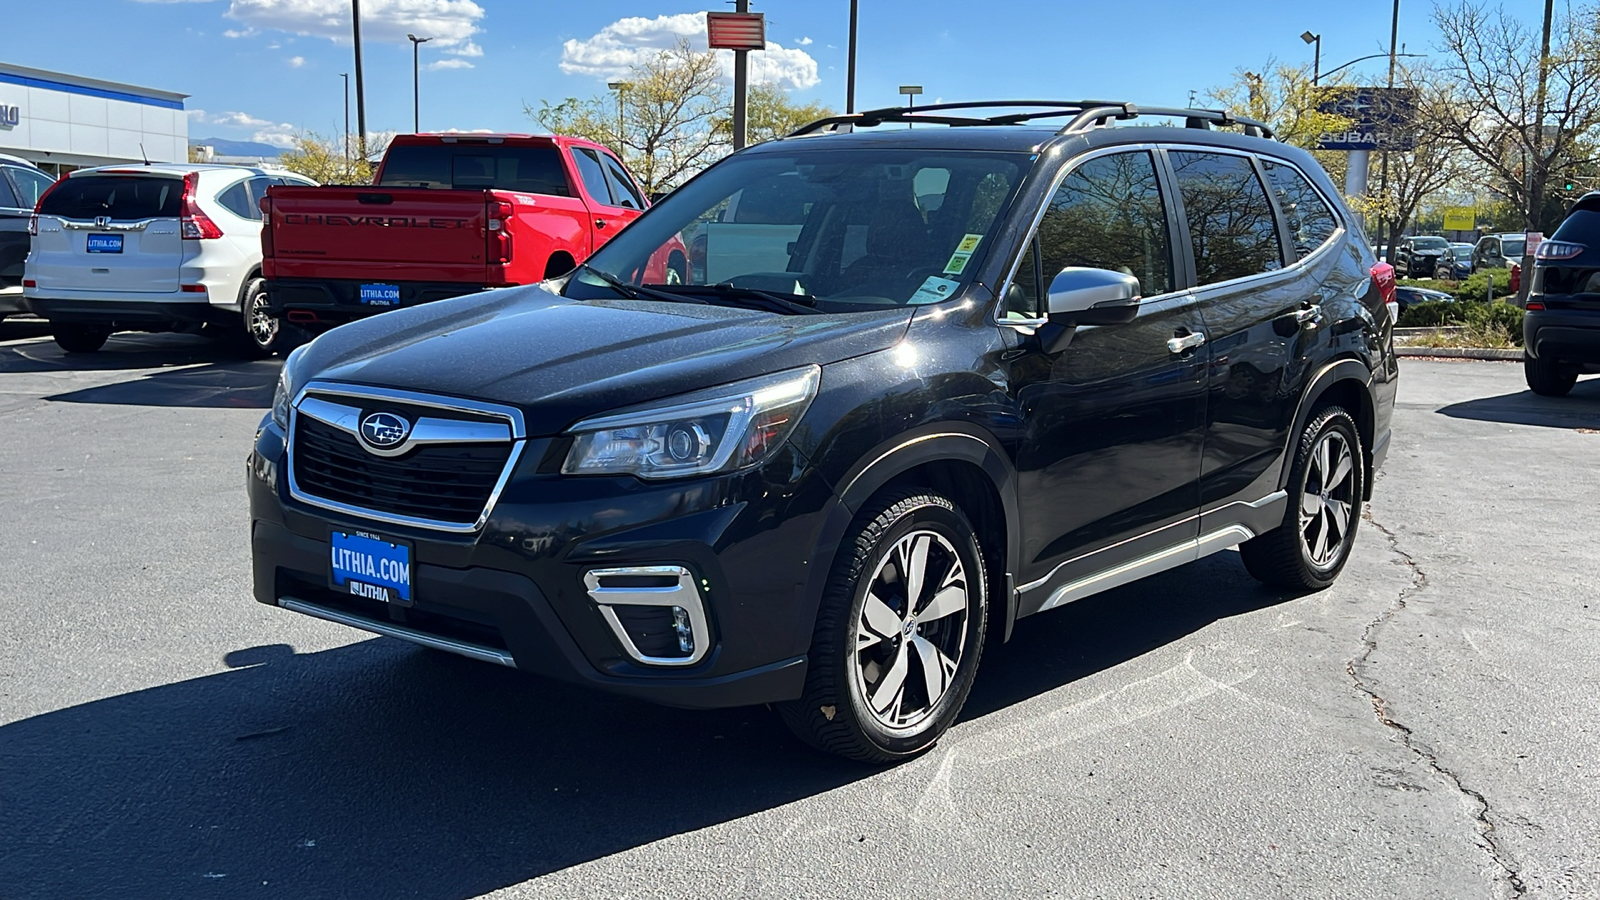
(1459, 218)
(1379, 118)
(736, 31)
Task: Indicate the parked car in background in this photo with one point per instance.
(1561, 328)
(165, 247)
(21, 183)
(1455, 264)
(1496, 251)
(1418, 256)
(449, 214)
(1407, 296)
(980, 373)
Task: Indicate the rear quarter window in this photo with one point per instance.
(526, 170)
(120, 197)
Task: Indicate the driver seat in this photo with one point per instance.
(897, 241)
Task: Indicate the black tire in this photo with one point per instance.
(1289, 556)
(836, 713)
(1549, 377)
(677, 269)
(260, 333)
(75, 338)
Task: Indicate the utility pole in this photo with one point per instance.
(850, 76)
(741, 85)
(1383, 178)
(1536, 184)
(346, 77)
(361, 97)
(416, 83)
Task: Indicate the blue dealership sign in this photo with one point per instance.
(1377, 118)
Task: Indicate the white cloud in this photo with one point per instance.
(449, 24)
(630, 41)
(447, 64)
(296, 62)
(278, 134)
(275, 137)
(239, 33)
(805, 42)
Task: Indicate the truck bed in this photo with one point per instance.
(381, 233)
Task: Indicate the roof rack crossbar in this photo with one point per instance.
(1086, 114)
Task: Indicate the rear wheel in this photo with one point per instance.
(263, 332)
(898, 635)
(78, 338)
(1548, 377)
(1326, 487)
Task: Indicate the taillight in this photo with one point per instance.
(1558, 250)
(1383, 280)
(193, 222)
(1535, 305)
(500, 214)
(267, 246)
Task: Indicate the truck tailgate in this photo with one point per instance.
(395, 234)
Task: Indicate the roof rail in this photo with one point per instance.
(1085, 114)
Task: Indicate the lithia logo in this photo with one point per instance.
(10, 116)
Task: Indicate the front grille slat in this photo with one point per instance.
(440, 482)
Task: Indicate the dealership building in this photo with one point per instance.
(62, 122)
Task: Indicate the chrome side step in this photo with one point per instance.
(391, 629)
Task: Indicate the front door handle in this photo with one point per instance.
(1183, 343)
(599, 223)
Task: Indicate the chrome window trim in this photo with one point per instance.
(684, 593)
(517, 437)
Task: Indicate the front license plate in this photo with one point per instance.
(371, 566)
(380, 294)
(105, 243)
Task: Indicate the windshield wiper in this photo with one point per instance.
(768, 300)
(635, 292)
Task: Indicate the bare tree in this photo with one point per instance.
(1435, 162)
(1522, 114)
(1284, 97)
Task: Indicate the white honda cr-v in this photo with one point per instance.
(165, 247)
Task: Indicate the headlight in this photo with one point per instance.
(285, 390)
(716, 430)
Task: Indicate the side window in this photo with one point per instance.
(30, 185)
(622, 187)
(1231, 226)
(1107, 214)
(594, 177)
(1310, 220)
(236, 199)
(8, 198)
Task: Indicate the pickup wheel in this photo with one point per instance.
(81, 338)
(898, 634)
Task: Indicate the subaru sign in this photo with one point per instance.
(1376, 118)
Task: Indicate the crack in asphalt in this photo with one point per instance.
(1380, 709)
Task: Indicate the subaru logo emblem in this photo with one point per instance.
(383, 430)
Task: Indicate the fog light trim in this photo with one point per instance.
(664, 586)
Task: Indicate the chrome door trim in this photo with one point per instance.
(390, 629)
(1171, 557)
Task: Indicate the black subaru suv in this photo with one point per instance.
(1561, 330)
(918, 384)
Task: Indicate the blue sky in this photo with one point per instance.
(265, 69)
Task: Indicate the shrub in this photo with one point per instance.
(1431, 313)
(1495, 324)
(1476, 287)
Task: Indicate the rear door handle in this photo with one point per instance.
(1183, 343)
(1310, 313)
(599, 223)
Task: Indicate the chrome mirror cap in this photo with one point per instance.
(1083, 296)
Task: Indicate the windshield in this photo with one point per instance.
(1510, 248)
(1461, 252)
(1435, 243)
(843, 229)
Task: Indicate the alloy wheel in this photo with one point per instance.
(263, 325)
(912, 630)
(1327, 499)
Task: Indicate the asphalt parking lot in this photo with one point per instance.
(1426, 728)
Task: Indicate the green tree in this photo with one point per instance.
(325, 161)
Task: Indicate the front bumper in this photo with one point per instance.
(521, 590)
(1563, 334)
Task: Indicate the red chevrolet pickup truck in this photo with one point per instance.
(447, 214)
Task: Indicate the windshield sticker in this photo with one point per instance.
(934, 289)
(964, 251)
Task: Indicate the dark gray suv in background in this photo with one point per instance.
(946, 379)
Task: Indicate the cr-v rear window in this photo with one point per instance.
(528, 170)
(123, 197)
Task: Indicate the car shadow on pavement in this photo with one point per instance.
(1580, 409)
(379, 770)
(180, 370)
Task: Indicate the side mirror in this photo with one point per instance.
(655, 196)
(1081, 296)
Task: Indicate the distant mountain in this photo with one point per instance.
(226, 147)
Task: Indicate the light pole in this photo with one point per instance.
(910, 91)
(619, 87)
(1316, 58)
(416, 82)
(361, 96)
(850, 75)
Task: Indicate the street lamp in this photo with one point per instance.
(910, 91)
(1316, 59)
(416, 82)
(346, 77)
(619, 87)
(1352, 62)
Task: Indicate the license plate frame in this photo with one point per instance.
(103, 243)
(370, 565)
(378, 294)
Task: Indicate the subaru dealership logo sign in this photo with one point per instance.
(384, 431)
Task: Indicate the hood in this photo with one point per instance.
(561, 360)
